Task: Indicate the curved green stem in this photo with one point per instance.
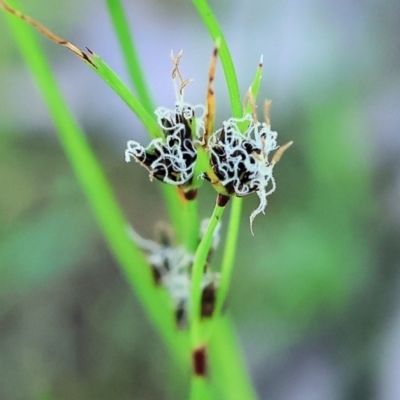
(199, 388)
(130, 53)
(190, 225)
(119, 87)
(215, 31)
(197, 275)
(227, 364)
(227, 261)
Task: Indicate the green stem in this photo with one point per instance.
(227, 363)
(197, 275)
(174, 210)
(119, 87)
(191, 225)
(215, 31)
(227, 262)
(199, 388)
(223, 350)
(130, 53)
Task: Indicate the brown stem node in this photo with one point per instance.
(199, 359)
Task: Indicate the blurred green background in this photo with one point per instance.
(314, 293)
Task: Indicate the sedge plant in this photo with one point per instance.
(180, 292)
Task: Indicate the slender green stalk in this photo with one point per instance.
(229, 370)
(119, 87)
(99, 193)
(130, 53)
(215, 31)
(173, 204)
(230, 75)
(229, 256)
(200, 389)
(225, 358)
(197, 275)
(196, 334)
(191, 226)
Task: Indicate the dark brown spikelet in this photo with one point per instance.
(199, 359)
(208, 299)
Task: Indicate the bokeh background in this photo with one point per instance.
(315, 294)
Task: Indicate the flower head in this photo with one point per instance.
(171, 266)
(239, 159)
(171, 159)
(234, 158)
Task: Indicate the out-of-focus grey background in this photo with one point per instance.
(314, 297)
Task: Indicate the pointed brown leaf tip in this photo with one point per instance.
(87, 59)
(47, 32)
